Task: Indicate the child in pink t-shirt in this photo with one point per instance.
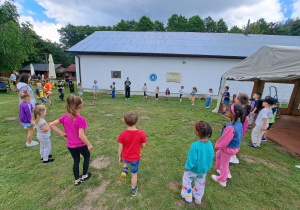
(130, 142)
(77, 142)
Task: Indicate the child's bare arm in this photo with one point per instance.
(143, 144)
(45, 128)
(120, 153)
(265, 124)
(53, 125)
(255, 108)
(83, 138)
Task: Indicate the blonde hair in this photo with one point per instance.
(195, 89)
(36, 114)
(73, 103)
(24, 94)
(157, 87)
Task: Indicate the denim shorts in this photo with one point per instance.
(25, 125)
(225, 102)
(134, 166)
(43, 100)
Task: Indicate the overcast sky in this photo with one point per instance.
(49, 15)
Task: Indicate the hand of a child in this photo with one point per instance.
(90, 147)
(64, 135)
(264, 128)
(120, 161)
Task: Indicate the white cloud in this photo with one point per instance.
(30, 12)
(45, 29)
(296, 9)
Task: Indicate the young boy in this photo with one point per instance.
(271, 121)
(130, 142)
(48, 90)
(226, 96)
(255, 105)
(262, 122)
(113, 90)
(145, 89)
(168, 93)
(39, 92)
(60, 88)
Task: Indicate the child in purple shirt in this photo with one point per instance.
(77, 142)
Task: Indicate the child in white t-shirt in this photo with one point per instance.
(145, 89)
(209, 98)
(181, 93)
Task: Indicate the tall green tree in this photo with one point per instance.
(196, 24)
(222, 26)
(145, 24)
(295, 27)
(177, 23)
(8, 12)
(158, 26)
(210, 24)
(236, 30)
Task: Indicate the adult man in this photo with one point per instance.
(127, 85)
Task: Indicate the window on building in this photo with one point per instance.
(116, 74)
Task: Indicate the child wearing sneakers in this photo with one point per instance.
(39, 92)
(130, 142)
(261, 123)
(48, 90)
(199, 161)
(181, 93)
(226, 97)
(271, 121)
(145, 90)
(209, 98)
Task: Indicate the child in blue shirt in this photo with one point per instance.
(226, 97)
(199, 161)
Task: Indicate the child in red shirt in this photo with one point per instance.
(130, 142)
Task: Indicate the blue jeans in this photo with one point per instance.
(134, 166)
(113, 94)
(208, 101)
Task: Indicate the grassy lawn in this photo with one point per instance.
(266, 178)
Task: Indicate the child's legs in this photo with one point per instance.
(187, 179)
(76, 157)
(245, 124)
(207, 102)
(62, 95)
(134, 168)
(156, 95)
(45, 148)
(225, 103)
(224, 166)
(113, 94)
(193, 98)
(133, 180)
(198, 190)
(218, 159)
(252, 116)
(86, 155)
(256, 135)
(30, 134)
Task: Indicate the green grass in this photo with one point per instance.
(266, 178)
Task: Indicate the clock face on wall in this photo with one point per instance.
(153, 77)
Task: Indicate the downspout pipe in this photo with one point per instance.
(79, 67)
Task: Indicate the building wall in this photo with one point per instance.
(204, 73)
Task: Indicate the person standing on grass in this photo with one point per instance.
(226, 97)
(209, 98)
(60, 88)
(167, 93)
(43, 132)
(127, 85)
(13, 78)
(261, 123)
(77, 141)
(48, 90)
(199, 161)
(95, 89)
(145, 90)
(113, 90)
(130, 142)
(22, 84)
(181, 93)
(25, 116)
(271, 121)
(80, 90)
(193, 96)
(229, 143)
(156, 92)
(39, 92)
(255, 105)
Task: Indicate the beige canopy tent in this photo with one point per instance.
(278, 64)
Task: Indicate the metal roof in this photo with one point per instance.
(38, 67)
(178, 43)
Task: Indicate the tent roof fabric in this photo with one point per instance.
(178, 43)
(269, 63)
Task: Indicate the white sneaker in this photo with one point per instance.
(223, 184)
(187, 199)
(193, 104)
(33, 143)
(126, 98)
(207, 107)
(234, 159)
(228, 176)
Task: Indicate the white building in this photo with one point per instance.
(197, 59)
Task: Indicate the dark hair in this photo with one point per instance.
(73, 103)
(23, 78)
(239, 113)
(243, 98)
(227, 87)
(204, 129)
(259, 94)
(131, 118)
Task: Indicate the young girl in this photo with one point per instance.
(181, 93)
(199, 161)
(25, 116)
(229, 143)
(95, 89)
(80, 90)
(192, 98)
(43, 132)
(145, 89)
(156, 92)
(77, 142)
(209, 98)
(168, 93)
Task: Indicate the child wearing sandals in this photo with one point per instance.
(130, 142)
(229, 143)
(77, 141)
(199, 161)
(43, 132)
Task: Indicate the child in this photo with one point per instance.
(199, 161)
(60, 88)
(193, 96)
(226, 96)
(255, 105)
(156, 92)
(80, 90)
(39, 92)
(71, 86)
(145, 89)
(48, 90)
(209, 98)
(261, 123)
(168, 93)
(113, 90)
(77, 142)
(181, 93)
(228, 144)
(43, 132)
(130, 142)
(25, 116)
(271, 121)
(95, 89)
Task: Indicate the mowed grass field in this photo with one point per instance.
(266, 178)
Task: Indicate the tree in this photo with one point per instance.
(236, 30)
(158, 26)
(145, 24)
(295, 27)
(221, 26)
(123, 25)
(196, 24)
(177, 23)
(8, 12)
(210, 24)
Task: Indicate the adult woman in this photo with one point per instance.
(22, 83)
